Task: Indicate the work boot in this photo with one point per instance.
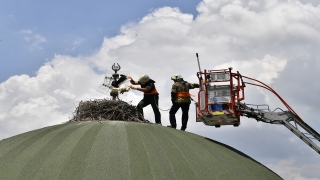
(174, 127)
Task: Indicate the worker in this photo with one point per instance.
(180, 98)
(150, 96)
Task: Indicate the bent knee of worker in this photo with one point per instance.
(141, 105)
(173, 111)
(139, 108)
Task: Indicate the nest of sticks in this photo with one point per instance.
(106, 109)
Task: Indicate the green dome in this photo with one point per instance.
(122, 150)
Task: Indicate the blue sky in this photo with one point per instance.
(68, 27)
(55, 54)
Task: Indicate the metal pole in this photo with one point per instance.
(198, 63)
(200, 75)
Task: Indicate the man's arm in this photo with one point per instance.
(173, 93)
(132, 81)
(146, 89)
(193, 85)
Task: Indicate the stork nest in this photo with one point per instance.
(106, 109)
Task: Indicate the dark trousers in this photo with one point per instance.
(154, 101)
(185, 114)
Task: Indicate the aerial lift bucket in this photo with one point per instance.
(217, 97)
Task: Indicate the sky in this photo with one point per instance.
(55, 54)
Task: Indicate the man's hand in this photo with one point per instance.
(132, 87)
(129, 77)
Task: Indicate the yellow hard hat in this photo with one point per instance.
(144, 78)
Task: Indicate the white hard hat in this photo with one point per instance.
(144, 78)
(176, 77)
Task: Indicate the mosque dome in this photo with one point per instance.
(122, 150)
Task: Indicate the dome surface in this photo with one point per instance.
(122, 150)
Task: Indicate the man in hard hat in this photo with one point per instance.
(180, 98)
(150, 96)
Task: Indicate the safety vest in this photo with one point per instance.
(184, 94)
(154, 91)
(151, 84)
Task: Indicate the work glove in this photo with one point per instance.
(196, 85)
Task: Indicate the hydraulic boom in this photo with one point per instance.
(287, 118)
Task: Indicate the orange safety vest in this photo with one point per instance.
(184, 94)
(154, 91)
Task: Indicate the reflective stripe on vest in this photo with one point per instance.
(184, 94)
(152, 92)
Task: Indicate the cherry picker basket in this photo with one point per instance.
(219, 92)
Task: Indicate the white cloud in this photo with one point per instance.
(26, 31)
(288, 170)
(77, 42)
(35, 39)
(33, 102)
(38, 39)
(268, 68)
(272, 41)
(167, 13)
